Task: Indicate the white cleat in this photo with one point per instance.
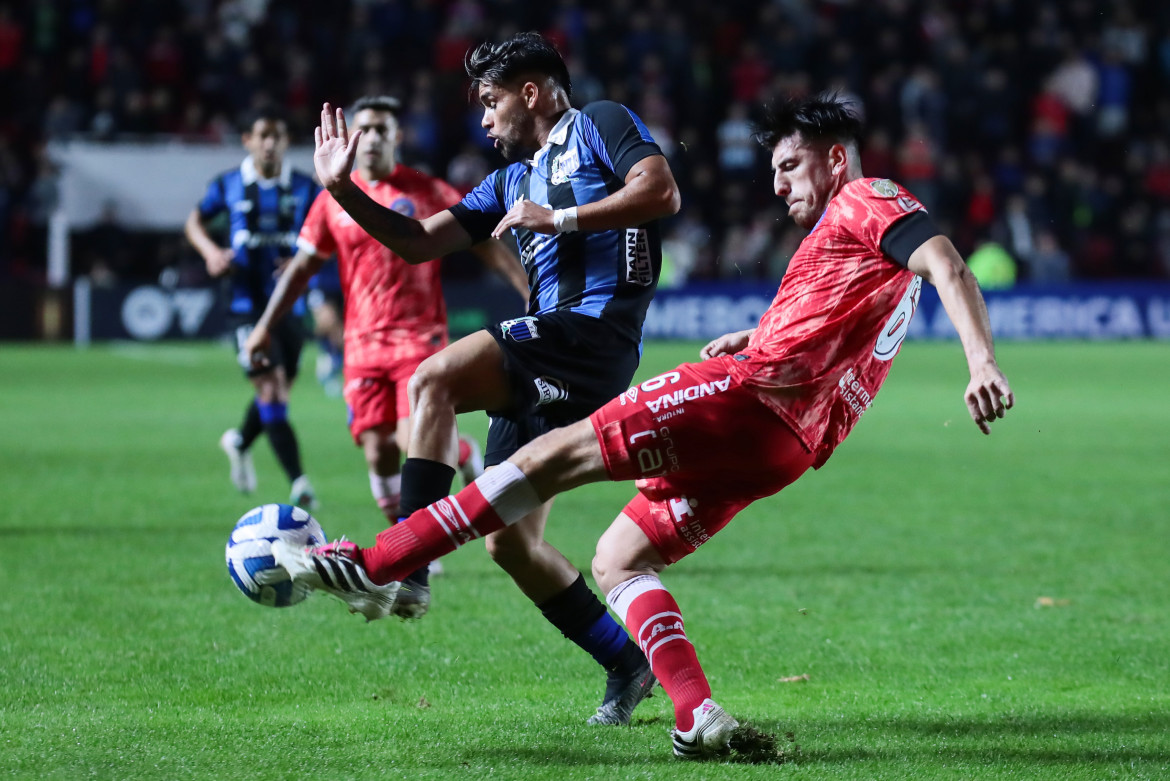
(333, 568)
(243, 473)
(710, 737)
(303, 495)
(472, 466)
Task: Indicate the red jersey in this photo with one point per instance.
(393, 310)
(824, 347)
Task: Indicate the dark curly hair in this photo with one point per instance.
(523, 53)
(824, 118)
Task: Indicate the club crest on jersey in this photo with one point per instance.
(884, 187)
(403, 206)
(550, 389)
(522, 329)
(564, 166)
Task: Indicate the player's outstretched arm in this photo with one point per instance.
(496, 256)
(413, 240)
(988, 394)
(728, 344)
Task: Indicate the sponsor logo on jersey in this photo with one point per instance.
(243, 207)
(403, 206)
(884, 188)
(522, 329)
(564, 166)
(639, 267)
(245, 238)
(689, 527)
(654, 452)
(856, 395)
(690, 393)
(549, 390)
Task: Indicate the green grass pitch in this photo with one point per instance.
(962, 607)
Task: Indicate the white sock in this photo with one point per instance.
(386, 486)
(508, 491)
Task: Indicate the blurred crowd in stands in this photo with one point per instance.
(1038, 130)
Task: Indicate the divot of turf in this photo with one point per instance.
(754, 747)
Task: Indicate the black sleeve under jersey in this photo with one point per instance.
(908, 234)
(617, 135)
(481, 209)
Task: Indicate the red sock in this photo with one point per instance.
(431, 532)
(653, 618)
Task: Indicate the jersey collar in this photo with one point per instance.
(250, 175)
(557, 135)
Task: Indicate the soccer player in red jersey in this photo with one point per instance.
(395, 316)
(786, 392)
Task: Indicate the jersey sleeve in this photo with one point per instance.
(214, 200)
(616, 135)
(315, 236)
(481, 209)
(873, 206)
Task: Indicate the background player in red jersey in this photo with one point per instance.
(394, 311)
(786, 392)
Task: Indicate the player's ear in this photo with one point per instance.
(838, 158)
(530, 92)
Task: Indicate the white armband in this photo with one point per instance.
(565, 220)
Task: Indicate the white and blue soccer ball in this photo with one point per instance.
(249, 552)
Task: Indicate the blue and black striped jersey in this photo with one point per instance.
(264, 218)
(610, 275)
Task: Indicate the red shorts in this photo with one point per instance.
(701, 448)
(378, 397)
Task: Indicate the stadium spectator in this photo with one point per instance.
(265, 203)
(91, 55)
(395, 312)
(582, 196)
(786, 393)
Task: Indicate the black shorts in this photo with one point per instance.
(288, 339)
(562, 367)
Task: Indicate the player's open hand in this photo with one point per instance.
(334, 148)
(728, 344)
(526, 214)
(988, 396)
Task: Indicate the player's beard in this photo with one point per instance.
(511, 151)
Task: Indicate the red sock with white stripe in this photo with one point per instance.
(497, 499)
(653, 618)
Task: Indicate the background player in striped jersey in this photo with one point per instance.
(581, 198)
(265, 203)
(786, 393)
(394, 311)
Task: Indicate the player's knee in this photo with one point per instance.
(509, 551)
(429, 384)
(604, 571)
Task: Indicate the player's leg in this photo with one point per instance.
(558, 461)
(380, 447)
(371, 400)
(236, 443)
(565, 600)
(272, 386)
(626, 568)
(464, 376)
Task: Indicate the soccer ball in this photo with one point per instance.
(249, 552)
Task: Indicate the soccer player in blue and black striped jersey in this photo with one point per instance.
(581, 197)
(265, 202)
